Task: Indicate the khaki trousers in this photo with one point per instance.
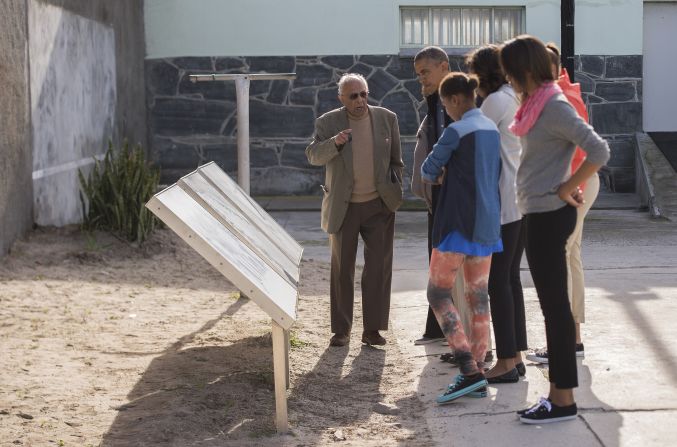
(575, 276)
(376, 224)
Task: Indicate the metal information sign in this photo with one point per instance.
(217, 218)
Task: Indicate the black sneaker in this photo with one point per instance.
(448, 357)
(541, 355)
(546, 412)
(540, 401)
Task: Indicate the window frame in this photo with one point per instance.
(412, 49)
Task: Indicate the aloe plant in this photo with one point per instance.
(115, 193)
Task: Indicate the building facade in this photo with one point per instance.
(190, 124)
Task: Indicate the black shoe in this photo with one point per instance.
(521, 369)
(448, 357)
(546, 412)
(373, 338)
(580, 350)
(339, 340)
(511, 376)
(537, 404)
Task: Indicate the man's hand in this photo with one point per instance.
(439, 180)
(342, 138)
(572, 197)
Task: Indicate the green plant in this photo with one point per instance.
(295, 342)
(91, 243)
(115, 194)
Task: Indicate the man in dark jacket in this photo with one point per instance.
(432, 65)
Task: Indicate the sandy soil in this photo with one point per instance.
(103, 343)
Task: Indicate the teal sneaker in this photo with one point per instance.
(478, 393)
(463, 387)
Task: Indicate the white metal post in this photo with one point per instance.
(242, 95)
(242, 92)
(280, 374)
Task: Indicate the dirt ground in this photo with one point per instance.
(103, 343)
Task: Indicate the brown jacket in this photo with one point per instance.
(338, 187)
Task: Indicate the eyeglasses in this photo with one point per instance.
(354, 96)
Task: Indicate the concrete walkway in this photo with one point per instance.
(628, 379)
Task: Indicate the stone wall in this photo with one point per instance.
(191, 124)
(16, 196)
(612, 88)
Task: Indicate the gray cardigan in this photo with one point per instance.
(421, 150)
(547, 151)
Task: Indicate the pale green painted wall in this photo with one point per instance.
(612, 27)
(321, 27)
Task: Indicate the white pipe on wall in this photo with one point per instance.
(242, 92)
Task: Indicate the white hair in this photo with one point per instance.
(350, 77)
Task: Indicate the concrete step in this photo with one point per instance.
(616, 201)
(658, 184)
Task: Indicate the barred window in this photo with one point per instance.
(461, 27)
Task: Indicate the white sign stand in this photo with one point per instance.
(235, 235)
(242, 94)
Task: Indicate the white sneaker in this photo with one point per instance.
(427, 340)
(541, 355)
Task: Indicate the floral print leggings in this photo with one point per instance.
(444, 266)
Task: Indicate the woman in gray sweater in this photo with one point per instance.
(548, 195)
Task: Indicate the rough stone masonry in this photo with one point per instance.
(191, 124)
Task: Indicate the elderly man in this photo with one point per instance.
(359, 146)
(431, 65)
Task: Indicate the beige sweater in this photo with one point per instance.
(364, 187)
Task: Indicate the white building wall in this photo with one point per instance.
(609, 27)
(177, 28)
(659, 96)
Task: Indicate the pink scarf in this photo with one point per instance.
(531, 109)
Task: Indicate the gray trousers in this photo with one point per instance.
(376, 224)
